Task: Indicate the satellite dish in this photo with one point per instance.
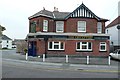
(118, 27)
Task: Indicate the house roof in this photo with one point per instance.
(78, 12)
(3, 28)
(114, 22)
(4, 37)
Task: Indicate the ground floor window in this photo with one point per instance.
(55, 45)
(102, 46)
(84, 46)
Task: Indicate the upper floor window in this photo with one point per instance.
(81, 26)
(7, 41)
(59, 26)
(45, 25)
(33, 26)
(99, 27)
(102, 46)
(84, 46)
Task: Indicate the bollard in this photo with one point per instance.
(43, 57)
(26, 56)
(66, 58)
(108, 60)
(87, 59)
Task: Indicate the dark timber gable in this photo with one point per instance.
(83, 11)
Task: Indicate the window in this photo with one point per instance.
(102, 46)
(45, 25)
(59, 26)
(81, 26)
(55, 45)
(7, 41)
(33, 26)
(99, 27)
(84, 46)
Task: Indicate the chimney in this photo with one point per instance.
(43, 8)
(56, 9)
(119, 8)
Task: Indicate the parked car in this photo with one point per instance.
(115, 54)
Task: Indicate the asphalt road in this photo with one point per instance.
(12, 68)
(31, 70)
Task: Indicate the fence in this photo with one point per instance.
(93, 60)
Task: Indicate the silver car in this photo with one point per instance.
(115, 54)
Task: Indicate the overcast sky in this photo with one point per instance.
(14, 13)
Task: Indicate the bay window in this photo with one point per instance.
(45, 25)
(99, 27)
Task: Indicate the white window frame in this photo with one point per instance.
(81, 44)
(102, 44)
(60, 24)
(53, 44)
(80, 27)
(45, 25)
(99, 27)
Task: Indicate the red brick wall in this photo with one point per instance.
(40, 47)
(70, 25)
(91, 25)
(39, 26)
(70, 48)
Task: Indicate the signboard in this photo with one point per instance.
(71, 37)
(80, 37)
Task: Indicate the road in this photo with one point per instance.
(12, 68)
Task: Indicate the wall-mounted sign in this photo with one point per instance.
(70, 37)
(80, 37)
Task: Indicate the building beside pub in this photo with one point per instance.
(6, 42)
(80, 32)
(114, 30)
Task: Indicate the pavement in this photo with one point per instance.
(58, 63)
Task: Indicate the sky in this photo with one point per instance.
(14, 13)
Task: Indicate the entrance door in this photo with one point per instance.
(32, 48)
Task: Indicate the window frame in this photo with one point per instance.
(78, 26)
(56, 43)
(81, 45)
(99, 27)
(45, 25)
(101, 44)
(59, 26)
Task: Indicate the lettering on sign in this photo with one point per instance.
(80, 37)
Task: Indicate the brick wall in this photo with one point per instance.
(70, 48)
(91, 24)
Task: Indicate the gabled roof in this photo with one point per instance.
(4, 37)
(81, 11)
(114, 22)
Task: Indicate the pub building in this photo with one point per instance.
(80, 32)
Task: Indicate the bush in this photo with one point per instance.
(25, 50)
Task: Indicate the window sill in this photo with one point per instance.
(84, 50)
(56, 49)
(102, 51)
